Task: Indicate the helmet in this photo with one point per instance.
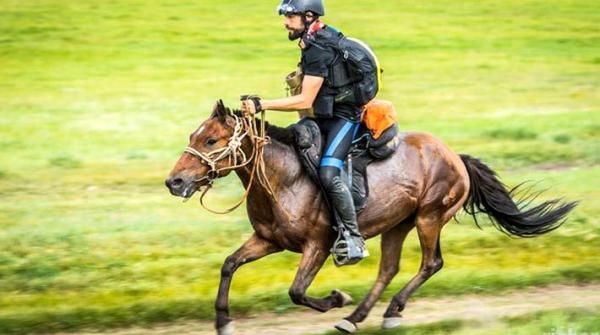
(301, 6)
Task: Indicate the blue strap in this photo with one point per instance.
(334, 162)
(338, 138)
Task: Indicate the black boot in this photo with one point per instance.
(343, 205)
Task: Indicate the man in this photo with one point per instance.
(337, 120)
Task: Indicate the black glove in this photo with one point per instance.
(255, 99)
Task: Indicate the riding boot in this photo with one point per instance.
(342, 203)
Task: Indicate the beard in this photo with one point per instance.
(295, 34)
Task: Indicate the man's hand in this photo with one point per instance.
(248, 107)
(310, 88)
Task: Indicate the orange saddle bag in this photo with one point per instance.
(378, 116)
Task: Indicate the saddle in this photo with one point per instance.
(364, 150)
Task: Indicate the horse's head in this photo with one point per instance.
(213, 152)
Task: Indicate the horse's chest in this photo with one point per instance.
(280, 225)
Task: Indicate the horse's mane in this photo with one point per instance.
(279, 134)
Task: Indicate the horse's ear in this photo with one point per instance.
(220, 111)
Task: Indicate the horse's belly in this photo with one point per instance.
(394, 188)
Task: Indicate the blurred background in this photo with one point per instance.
(98, 97)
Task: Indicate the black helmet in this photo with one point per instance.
(301, 6)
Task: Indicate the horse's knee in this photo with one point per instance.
(296, 295)
(434, 266)
(228, 267)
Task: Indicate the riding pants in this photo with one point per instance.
(339, 134)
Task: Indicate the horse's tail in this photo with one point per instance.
(488, 195)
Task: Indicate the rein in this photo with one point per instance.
(244, 127)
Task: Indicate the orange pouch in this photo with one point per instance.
(378, 116)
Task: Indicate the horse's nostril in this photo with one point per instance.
(174, 182)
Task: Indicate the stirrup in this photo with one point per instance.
(345, 251)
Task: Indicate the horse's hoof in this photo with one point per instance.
(227, 329)
(346, 327)
(391, 322)
(346, 298)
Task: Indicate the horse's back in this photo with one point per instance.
(418, 156)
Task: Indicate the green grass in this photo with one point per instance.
(97, 99)
(555, 322)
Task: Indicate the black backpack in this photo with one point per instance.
(356, 73)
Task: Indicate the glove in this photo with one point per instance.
(253, 108)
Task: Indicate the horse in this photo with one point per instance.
(422, 185)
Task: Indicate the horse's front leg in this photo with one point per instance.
(253, 249)
(312, 261)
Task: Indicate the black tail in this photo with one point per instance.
(488, 195)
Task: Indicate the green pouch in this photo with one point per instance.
(294, 87)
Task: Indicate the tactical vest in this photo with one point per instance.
(355, 75)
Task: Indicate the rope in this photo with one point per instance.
(244, 127)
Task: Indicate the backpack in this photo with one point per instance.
(356, 72)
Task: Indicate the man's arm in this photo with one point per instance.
(310, 87)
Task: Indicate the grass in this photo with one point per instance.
(98, 99)
(555, 322)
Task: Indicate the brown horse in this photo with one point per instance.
(422, 185)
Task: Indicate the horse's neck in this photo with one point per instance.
(281, 167)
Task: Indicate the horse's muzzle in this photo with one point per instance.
(181, 186)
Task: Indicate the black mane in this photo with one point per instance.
(279, 134)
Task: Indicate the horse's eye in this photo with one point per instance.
(210, 142)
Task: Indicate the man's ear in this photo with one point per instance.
(309, 17)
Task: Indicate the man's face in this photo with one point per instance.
(294, 25)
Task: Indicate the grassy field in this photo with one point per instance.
(97, 99)
(573, 321)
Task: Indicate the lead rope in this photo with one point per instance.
(259, 140)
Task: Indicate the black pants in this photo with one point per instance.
(339, 134)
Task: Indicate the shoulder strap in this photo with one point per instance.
(327, 37)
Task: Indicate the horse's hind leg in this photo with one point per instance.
(428, 229)
(313, 259)
(389, 265)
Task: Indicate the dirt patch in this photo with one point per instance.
(419, 311)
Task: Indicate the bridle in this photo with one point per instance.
(231, 152)
(245, 126)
